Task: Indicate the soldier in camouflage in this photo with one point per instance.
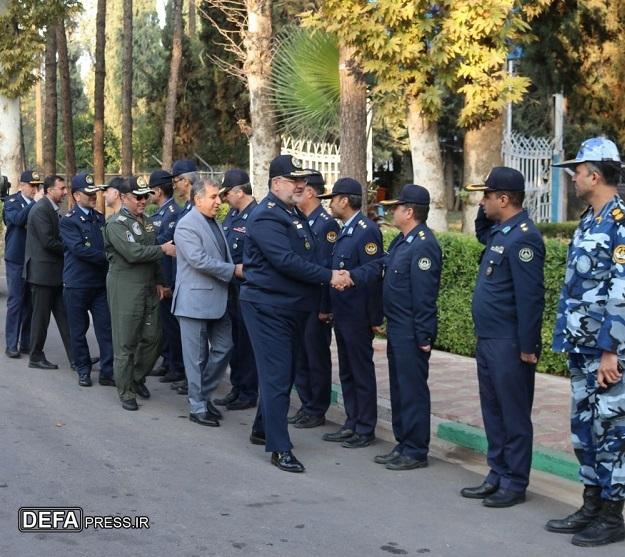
(134, 287)
(590, 327)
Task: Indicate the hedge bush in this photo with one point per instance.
(562, 230)
(460, 264)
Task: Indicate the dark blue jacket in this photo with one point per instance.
(358, 244)
(509, 295)
(85, 264)
(235, 229)
(15, 217)
(279, 258)
(164, 223)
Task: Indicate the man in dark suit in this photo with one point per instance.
(43, 270)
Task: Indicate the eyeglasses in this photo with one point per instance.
(141, 197)
(177, 179)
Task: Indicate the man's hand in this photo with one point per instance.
(377, 330)
(529, 358)
(238, 270)
(163, 291)
(426, 348)
(326, 317)
(608, 371)
(341, 280)
(168, 248)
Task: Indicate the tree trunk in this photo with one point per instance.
(172, 87)
(353, 136)
(427, 163)
(264, 140)
(66, 99)
(482, 151)
(10, 147)
(127, 88)
(192, 18)
(98, 100)
(50, 105)
(38, 124)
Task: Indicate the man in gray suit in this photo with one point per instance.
(204, 270)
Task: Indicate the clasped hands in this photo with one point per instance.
(341, 280)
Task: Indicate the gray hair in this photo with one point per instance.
(199, 186)
(193, 177)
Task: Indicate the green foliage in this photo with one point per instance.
(460, 264)
(561, 230)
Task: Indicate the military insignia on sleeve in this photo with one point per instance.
(331, 236)
(371, 248)
(425, 263)
(136, 228)
(617, 214)
(526, 254)
(149, 228)
(524, 227)
(619, 254)
(307, 244)
(271, 204)
(157, 223)
(171, 209)
(129, 236)
(583, 264)
(489, 271)
(87, 244)
(172, 224)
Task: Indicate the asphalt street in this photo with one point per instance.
(208, 491)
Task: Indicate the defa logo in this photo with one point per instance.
(50, 519)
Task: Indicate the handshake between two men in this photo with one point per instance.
(341, 280)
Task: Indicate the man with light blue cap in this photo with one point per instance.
(590, 327)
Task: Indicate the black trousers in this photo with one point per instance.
(47, 300)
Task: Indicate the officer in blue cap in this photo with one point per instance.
(282, 286)
(236, 189)
(590, 328)
(508, 303)
(164, 223)
(313, 376)
(357, 314)
(84, 280)
(412, 272)
(184, 174)
(15, 215)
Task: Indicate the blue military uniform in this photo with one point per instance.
(281, 288)
(590, 321)
(15, 216)
(243, 374)
(508, 304)
(84, 287)
(313, 377)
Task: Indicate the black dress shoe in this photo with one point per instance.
(338, 436)
(286, 461)
(171, 377)
(358, 441)
(12, 353)
(480, 492)
(295, 417)
(84, 381)
(159, 371)
(257, 438)
(386, 458)
(239, 404)
(229, 398)
(106, 381)
(42, 364)
(175, 386)
(406, 463)
(142, 390)
(204, 418)
(308, 422)
(212, 411)
(504, 498)
(130, 404)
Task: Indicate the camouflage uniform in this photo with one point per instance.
(590, 320)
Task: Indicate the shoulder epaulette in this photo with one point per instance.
(618, 215)
(121, 218)
(69, 213)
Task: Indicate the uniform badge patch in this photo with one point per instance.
(89, 179)
(371, 248)
(307, 244)
(425, 263)
(619, 254)
(129, 236)
(526, 254)
(331, 236)
(489, 271)
(136, 228)
(617, 214)
(583, 264)
(149, 228)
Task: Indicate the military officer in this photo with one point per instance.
(184, 174)
(281, 288)
(134, 286)
(412, 272)
(15, 215)
(112, 195)
(237, 191)
(313, 375)
(357, 313)
(508, 303)
(164, 223)
(84, 280)
(590, 328)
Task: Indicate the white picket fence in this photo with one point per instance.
(324, 157)
(532, 157)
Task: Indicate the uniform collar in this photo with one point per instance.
(313, 216)
(28, 201)
(506, 226)
(168, 201)
(271, 198)
(241, 214)
(352, 220)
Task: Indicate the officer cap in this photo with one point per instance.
(182, 167)
(316, 179)
(595, 149)
(410, 193)
(137, 185)
(160, 177)
(116, 183)
(500, 178)
(84, 182)
(233, 178)
(344, 186)
(30, 177)
(287, 166)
